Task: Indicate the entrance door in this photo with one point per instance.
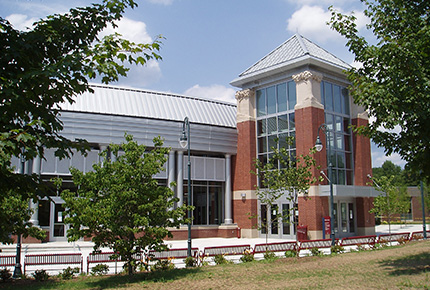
(58, 229)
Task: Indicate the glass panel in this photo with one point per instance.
(262, 146)
(271, 100)
(215, 205)
(282, 123)
(292, 99)
(328, 96)
(274, 219)
(292, 121)
(337, 99)
(261, 127)
(344, 217)
(286, 219)
(44, 212)
(339, 123)
(263, 212)
(345, 101)
(200, 204)
(351, 218)
(261, 103)
(340, 160)
(272, 142)
(271, 125)
(282, 97)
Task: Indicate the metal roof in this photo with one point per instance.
(296, 49)
(112, 100)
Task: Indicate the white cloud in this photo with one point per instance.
(130, 29)
(20, 21)
(163, 2)
(215, 92)
(311, 22)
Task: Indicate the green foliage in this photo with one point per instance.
(163, 265)
(336, 249)
(270, 256)
(190, 262)
(5, 274)
(316, 252)
(220, 260)
(393, 82)
(40, 275)
(391, 200)
(247, 256)
(68, 273)
(290, 254)
(48, 65)
(120, 205)
(99, 270)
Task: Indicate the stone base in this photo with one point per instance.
(222, 231)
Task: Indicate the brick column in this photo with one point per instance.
(244, 194)
(362, 168)
(309, 115)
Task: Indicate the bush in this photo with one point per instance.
(5, 275)
(99, 270)
(68, 273)
(270, 256)
(248, 256)
(290, 254)
(220, 259)
(336, 249)
(40, 275)
(163, 265)
(316, 252)
(190, 262)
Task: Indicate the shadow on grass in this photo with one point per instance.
(410, 265)
(102, 282)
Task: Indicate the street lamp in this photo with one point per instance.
(319, 147)
(185, 141)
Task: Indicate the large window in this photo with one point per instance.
(337, 117)
(208, 199)
(275, 119)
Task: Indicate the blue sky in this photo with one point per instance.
(208, 43)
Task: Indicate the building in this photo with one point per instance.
(290, 92)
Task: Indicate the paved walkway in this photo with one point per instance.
(86, 247)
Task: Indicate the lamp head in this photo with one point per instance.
(318, 144)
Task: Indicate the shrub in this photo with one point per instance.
(5, 274)
(40, 275)
(248, 256)
(316, 252)
(190, 262)
(336, 249)
(290, 254)
(163, 265)
(99, 270)
(220, 259)
(69, 273)
(270, 256)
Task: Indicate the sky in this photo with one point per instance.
(208, 43)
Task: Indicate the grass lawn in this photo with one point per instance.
(400, 267)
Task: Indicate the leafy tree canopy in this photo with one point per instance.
(50, 64)
(120, 205)
(393, 83)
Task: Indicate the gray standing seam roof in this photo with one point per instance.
(293, 50)
(112, 100)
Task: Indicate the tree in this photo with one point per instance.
(51, 64)
(393, 84)
(120, 205)
(283, 174)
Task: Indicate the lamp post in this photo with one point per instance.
(318, 147)
(185, 141)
